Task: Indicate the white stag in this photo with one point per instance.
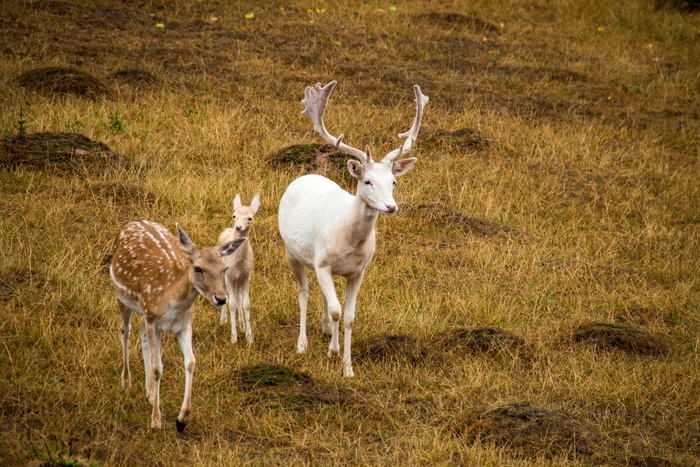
(159, 276)
(240, 267)
(327, 229)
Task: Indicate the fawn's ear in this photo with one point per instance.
(229, 247)
(356, 169)
(255, 204)
(402, 166)
(185, 240)
(237, 201)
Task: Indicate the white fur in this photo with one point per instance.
(327, 229)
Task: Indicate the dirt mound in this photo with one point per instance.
(615, 336)
(58, 152)
(450, 19)
(60, 80)
(286, 388)
(447, 217)
(390, 347)
(462, 137)
(134, 77)
(528, 430)
(321, 159)
(684, 6)
(482, 340)
(13, 278)
(118, 193)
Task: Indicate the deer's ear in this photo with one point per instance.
(229, 247)
(402, 166)
(185, 240)
(255, 204)
(237, 202)
(356, 169)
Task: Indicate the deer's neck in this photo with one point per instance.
(238, 234)
(361, 221)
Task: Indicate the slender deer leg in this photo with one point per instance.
(224, 313)
(185, 340)
(145, 350)
(126, 313)
(325, 280)
(327, 331)
(233, 308)
(351, 290)
(303, 286)
(245, 301)
(156, 371)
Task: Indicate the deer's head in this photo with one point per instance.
(375, 179)
(208, 266)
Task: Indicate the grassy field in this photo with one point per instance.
(536, 300)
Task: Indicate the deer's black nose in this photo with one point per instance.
(219, 301)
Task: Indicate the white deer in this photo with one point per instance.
(327, 229)
(159, 276)
(240, 267)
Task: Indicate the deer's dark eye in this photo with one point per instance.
(198, 270)
(250, 218)
(368, 183)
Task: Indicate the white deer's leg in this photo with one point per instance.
(326, 318)
(126, 313)
(351, 290)
(185, 340)
(233, 308)
(224, 313)
(245, 301)
(303, 287)
(325, 280)
(156, 371)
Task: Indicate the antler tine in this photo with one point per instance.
(315, 101)
(411, 135)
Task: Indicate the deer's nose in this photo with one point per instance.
(219, 301)
(391, 208)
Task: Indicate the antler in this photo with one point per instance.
(411, 135)
(315, 102)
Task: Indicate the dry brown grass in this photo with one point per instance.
(550, 224)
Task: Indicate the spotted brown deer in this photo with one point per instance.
(159, 276)
(327, 229)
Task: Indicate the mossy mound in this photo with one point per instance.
(118, 193)
(321, 159)
(13, 278)
(452, 19)
(134, 76)
(528, 430)
(462, 137)
(58, 152)
(606, 336)
(61, 80)
(390, 347)
(447, 217)
(489, 340)
(283, 387)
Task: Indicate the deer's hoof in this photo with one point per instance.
(180, 426)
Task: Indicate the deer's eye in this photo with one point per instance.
(198, 270)
(250, 218)
(368, 183)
